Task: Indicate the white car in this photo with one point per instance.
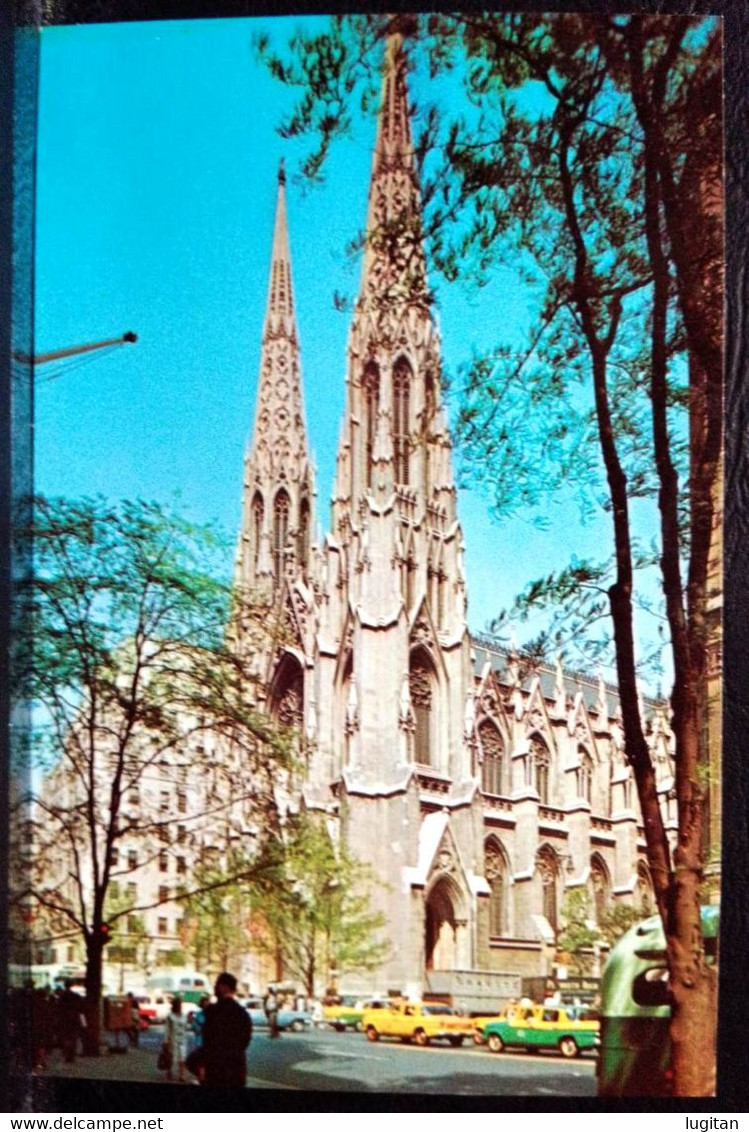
(154, 1007)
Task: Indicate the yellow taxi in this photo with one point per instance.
(346, 1011)
(419, 1022)
(481, 1021)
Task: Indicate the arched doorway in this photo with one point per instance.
(441, 926)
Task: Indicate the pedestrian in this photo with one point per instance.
(271, 1005)
(70, 1013)
(42, 1026)
(194, 1063)
(227, 1032)
(133, 1032)
(176, 1036)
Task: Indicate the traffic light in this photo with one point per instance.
(105, 934)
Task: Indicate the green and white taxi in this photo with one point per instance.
(568, 1029)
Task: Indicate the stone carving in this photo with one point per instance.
(546, 865)
(494, 867)
(289, 707)
(535, 721)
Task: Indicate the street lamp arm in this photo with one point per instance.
(72, 351)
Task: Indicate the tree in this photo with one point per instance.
(129, 942)
(216, 920)
(587, 148)
(617, 920)
(316, 911)
(146, 722)
(578, 934)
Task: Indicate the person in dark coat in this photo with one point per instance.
(69, 1010)
(227, 1032)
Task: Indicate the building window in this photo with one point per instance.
(491, 762)
(164, 802)
(257, 527)
(585, 776)
(303, 549)
(181, 865)
(182, 803)
(644, 890)
(132, 893)
(495, 873)
(371, 397)
(132, 859)
(548, 869)
(280, 534)
(401, 429)
(541, 762)
(288, 700)
(162, 833)
(421, 688)
(133, 798)
(163, 893)
(599, 883)
(163, 925)
(114, 858)
(163, 862)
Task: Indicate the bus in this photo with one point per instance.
(635, 1047)
(191, 986)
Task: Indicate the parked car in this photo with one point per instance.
(347, 1010)
(481, 1021)
(568, 1029)
(154, 1008)
(288, 1019)
(419, 1022)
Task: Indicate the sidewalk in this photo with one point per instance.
(134, 1065)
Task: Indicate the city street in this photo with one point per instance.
(326, 1060)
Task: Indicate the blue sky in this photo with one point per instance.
(157, 163)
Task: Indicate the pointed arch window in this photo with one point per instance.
(288, 696)
(303, 540)
(585, 775)
(280, 533)
(495, 871)
(371, 390)
(401, 399)
(548, 869)
(644, 889)
(258, 512)
(492, 752)
(599, 884)
(421, 680)
(541, 764)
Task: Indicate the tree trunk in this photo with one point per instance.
(94, 957)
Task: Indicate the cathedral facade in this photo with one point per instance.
(478, 789)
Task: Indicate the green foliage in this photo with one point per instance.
(133, 676)
(617, 920)
(577, 936)
(216, 913)
(317, 909)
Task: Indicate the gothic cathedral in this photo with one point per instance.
(477, 790)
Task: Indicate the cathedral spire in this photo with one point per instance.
(279, 316)
(394, 269)
(278, 510)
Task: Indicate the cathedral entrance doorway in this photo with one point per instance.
(443, 928)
